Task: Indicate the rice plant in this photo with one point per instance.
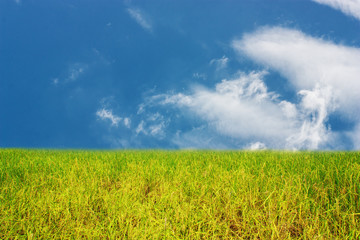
(132, 194)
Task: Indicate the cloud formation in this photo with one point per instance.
(348, 7)
(154, 125)
(307, 62)
(325, 76)
(243, 109)
(144, 129)
(257, 146)
(107, 114)
(75, 71)
(324, 73)
(220, 63)
(241, 112)
(140, 18)
(315, 105)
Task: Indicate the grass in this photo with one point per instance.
(47, 194)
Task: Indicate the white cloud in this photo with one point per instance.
(105, 114)
(257, 146)
(325, 74)
(355, 136)
(199, 138)
(157, 129)
(141, 128)
(220, 63)
(199, 76)
(154, 125)
(241, 108)
(140, 18)
(289, 109)
(306, 61)
(348, 7)
(75, 71)
(243, 112)
(18, 2)
(250, 86)
(127, 122)
(315, 105)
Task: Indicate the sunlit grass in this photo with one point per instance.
(179, 195)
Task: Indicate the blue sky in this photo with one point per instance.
(180, 74)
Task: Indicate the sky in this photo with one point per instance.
(218, 74)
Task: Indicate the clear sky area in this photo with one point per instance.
(249, 74)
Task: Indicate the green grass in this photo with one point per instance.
(46, 194)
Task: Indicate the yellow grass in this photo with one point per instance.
(179, 195)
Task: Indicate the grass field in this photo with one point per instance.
(179, 195)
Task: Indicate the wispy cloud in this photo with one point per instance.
(106, 114)
(315, 105)
(154, 125)
(199, 138)
(355, 136)
(243, 109)
(239, 108)
(256, 146)
(18, 2)
(144, 129)
(220, 63)
(241, 112)
(140, 18)
(114, 120)
(201, 76)
(127, 122)
(306, 61)
(75, 71)
(325, 74)
(348, 7)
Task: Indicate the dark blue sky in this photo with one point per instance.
(179, 74)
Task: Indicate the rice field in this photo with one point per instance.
(156, 194)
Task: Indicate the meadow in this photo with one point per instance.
(155, 194)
